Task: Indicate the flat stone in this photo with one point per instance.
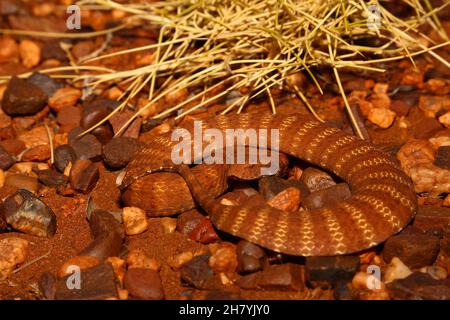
(26, 213)
(187, 221)
(97, 283)
(144, 284)
(197, 273)
(13, 146)
(6, 160)
(327, 197)
(23, 98)
(119, 119)
(443, 157)
(21, 181)
(432, 218)
(45, 83)
(316, 179)
(87, 147)
(331, 269)
(413, 248)
(419, 286)
(63, 155)
(52, 179)
(119, 151)
(84, 175)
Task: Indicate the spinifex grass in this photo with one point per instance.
(260, 44)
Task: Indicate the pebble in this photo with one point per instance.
(188, 220)
(69, 117)
(431, 105)
(119, 119)
(108, 236)
(97, 283)
(22, 98)
(37, 154)
(13, 252)
(436, 272)
(396, 270)
(169, 224)
(6, 160)
(30, 53)
(316, 179)
(204, 232)
(52, 179)
(63, 155)
(287, 200)
(9, 49)
(251, 258)
(26, 213)
(63, 97)
(197, 273)
(134, 220)
(94, 111)
(118, 267)
(138, 259)
(271, 186)
(87, 147)
(419, 286)
(118, 152)
(327, 197)
(82, 262)
(84, 176)
(45, 83)
(37, 136)
(331, 269)
(443, 157)
(430, 217)
(144, 284)
(177, 261)
(47, 285)
(413, 248)
(283, 277)
(224, 258)
(13, 146)
(22, 181)
(445, 119)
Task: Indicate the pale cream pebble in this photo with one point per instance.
(2, 178)
(118, 267)
(415, 152)
(446, 202)
(176, 96)
(81, 262)
(42, 166)
(67, 169)
(223, 258)
(177, 261)
(225, 280)
(134, 220)
(22, 167)
(169, 224)
(445, 119)
(122, 294)
(30, 53)
(13, 252)
(138, 259)
(381, 117)
(440, 141)
(396, 270)
(430, 178)
(403, 123)
(43, 9)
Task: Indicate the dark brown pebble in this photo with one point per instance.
(419, 286)
(63, 155)
(120, 119)
(329, 270)
(251, 258)
(342, 291)
(443, 157)
(84, 175)
(26, 213)
(327, 197)
(6, 160)
(197, 273)
(22, 98)
(52, 178)
(87, 147)
(119, 151)
(47, 285)
(204, 232)
(430, 217)
(45, 83)
(97, 283)
(187, 221)
(144, 284)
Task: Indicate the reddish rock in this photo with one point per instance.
(6, 161)
(64, 97)
(13, 146)
(443, 157)
(87, 147)
(21, 181)
(144, 284)
(204, 232)
(419, 286)
(38, 154)
(119, 119)
(316, 179)
(285, 277)
(187, 221)
(432, 218)
(251, 258)
(321, 270)
(327, 197)
(84, 175)
(69, 115)
(119, 151)
(23, 98)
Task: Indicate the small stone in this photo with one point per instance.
(316, 179)
(63, 155)
(52, 179)
(96, 110)
(436, 272)
(176, 262)
(134, 220)
(382, 117)
(120, 119)
(96, 283)
(342, 291)
(169, 224)
(69, 116)
(13, 146)
(396, 270)
(287, 200)
(37, 136)
(445, 119)
(327, 197)
(37, 154)
(119, 151)
(271, 186)
(204, 232)
(80, 262)
(118, 266)
(84, 175)
(87, 148)
(30, 53)
(47, 285)
(45, 83)
(21, 181)
(9, 50)
(138, 259)
(415, 249)
(431, 105)
(187, 221)
(26, 213)
(6, 161)
(197, 273)
(432, 218)
(224, 259)
(251, 258)
(443, 157)
(419, 286)
(331, 269)
(144, 284)
(13, 251)
(22, 98)
(63, 97)
(284, 277)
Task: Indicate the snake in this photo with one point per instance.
(383, 201)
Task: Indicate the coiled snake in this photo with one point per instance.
(382, 203)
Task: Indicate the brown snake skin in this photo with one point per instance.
(382, 203)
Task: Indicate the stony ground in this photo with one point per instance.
(61, 206)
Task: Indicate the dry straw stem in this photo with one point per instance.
(258, 45)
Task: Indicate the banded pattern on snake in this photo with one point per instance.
(383, 199)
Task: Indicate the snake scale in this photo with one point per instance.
(383, 201)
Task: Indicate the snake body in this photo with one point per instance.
(383, 201)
